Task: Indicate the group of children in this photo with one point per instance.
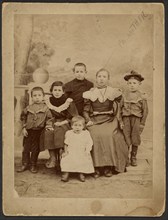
(57, 124)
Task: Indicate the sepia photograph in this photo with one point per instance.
(81, 88)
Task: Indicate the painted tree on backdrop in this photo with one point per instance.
(29, 55)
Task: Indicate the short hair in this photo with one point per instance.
(57, 83)
(79, 64)
(37, 88)
(101, 70)
(78, 118)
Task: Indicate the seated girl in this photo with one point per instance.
(62, 110)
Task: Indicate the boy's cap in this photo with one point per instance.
(134, 75)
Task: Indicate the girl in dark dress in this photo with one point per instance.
(62, 110)
(100, 112)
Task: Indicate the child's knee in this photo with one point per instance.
(136, 139)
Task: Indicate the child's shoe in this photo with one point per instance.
(115, 172)
(22, 168)
(82, 177)
(50, 164)
(97, 173)
(33, 169)
(133, 155)
(65, 177)
(133, 161)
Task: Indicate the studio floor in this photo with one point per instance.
(135, 183)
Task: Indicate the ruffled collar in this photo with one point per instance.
(102, 94)
(61, 107)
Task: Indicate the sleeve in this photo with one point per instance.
(118, 99)
(120, 106)
(87, 110)
(115, 94)
(48, 103)
(89, 141)
(49, 119)
(145, 111)
(23, 117)
(66, 140)
(68, 89)
(72, 111)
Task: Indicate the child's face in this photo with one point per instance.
(79, 72)
(37, 96)
(78, 127)
(57, 91)
(133, 84)
(102, 78)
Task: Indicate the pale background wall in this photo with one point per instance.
(119, 43)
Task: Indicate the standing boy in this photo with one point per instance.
(75, 88)
(34, 118)
(134, 111)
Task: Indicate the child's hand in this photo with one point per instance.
(90, 123)
(121, 125)
(58, 123)
(49, 128)
(141, 127)
(61, 123)
(64, 154)
(25, 133)
(61, 151)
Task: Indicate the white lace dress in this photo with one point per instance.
(78, 158)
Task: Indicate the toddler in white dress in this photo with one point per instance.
(76, 157)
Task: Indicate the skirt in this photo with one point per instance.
(78, 162)
(109, 146)
(53, 139)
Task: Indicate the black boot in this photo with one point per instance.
(65, 177)
(33, 159)
(81, 177)
(57, 156)
(33, 168)
(133, 155)
(23, 168)
(25, 161)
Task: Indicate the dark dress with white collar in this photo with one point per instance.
(109, 146)
(54, 139)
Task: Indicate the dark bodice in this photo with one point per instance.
(102, 107)
(96, 106)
